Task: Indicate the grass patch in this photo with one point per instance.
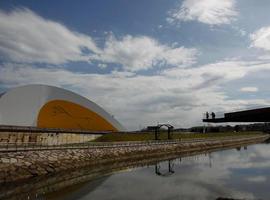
(116, 137)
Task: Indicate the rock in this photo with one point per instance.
(49, 169)
(52, 159)
(20, 156)
(5, 160)
(13, 160)
(27, 163)
(33, 172)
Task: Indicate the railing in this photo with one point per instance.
(9, 147)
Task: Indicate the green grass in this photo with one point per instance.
(114, 137)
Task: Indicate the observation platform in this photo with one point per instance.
(253, 115)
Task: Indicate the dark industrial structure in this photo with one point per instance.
(254, 115)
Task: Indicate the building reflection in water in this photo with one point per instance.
(162, 169)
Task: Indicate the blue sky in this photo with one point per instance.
(143, 61)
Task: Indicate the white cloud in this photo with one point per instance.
(242, 32)
(249, 89)
(198, 177)
(142, 52)
(27, 37)
(216, 73)
(102, 65)
(135, 100)
(178, 96)
(257, 179)
(213, 12)
(261, 38)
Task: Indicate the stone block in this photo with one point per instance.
(13, 160)
(5, 160)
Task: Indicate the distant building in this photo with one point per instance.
(227, 128)
(253, 115)
(45, 106)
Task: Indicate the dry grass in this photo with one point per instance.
(113, 137)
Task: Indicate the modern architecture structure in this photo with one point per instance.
(46, 106)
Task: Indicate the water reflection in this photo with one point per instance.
(240, 173)
(167, 173)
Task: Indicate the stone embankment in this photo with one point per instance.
(16, 166)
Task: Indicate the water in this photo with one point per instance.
(236, 173)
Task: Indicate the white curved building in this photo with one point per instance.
(52, 107)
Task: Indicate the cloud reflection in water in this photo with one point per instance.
(230, 173)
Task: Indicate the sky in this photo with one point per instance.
(145, 62)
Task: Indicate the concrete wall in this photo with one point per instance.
(45, 138)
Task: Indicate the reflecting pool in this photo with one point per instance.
(240, 173)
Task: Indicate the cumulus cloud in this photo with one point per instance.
(261, 38)
(212, 12)
(134, 99)
(179, 93)
(142, 52)
(178, 96)
(197, 177)
(27, 37)
(249, 89)
(256, 179)
(214, 74)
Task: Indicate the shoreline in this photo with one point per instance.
(20, 166)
